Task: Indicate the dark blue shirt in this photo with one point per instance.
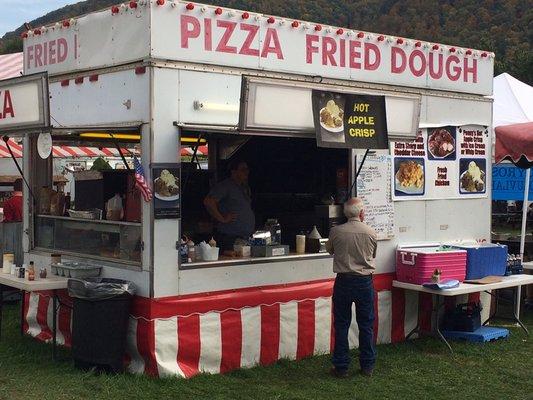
(234, 198)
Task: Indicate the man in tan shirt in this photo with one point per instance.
(353, 246)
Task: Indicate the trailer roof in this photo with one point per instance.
(201, 34)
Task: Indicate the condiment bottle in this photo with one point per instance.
(191, 251)
(184, 250)
(31, 271)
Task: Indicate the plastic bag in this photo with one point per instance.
(99, 288)
(115, 210)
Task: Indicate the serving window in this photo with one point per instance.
(95, 210)
(291, 180)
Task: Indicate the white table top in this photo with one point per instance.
(465, 288)
(528, 265)
(50, 283)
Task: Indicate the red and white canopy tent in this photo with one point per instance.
(11, 66)
(63, 151)
(82, 151)
(513, 124)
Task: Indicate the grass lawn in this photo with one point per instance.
(419, 369)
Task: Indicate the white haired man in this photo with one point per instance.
(353, 246)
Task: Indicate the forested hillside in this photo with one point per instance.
(505, 27)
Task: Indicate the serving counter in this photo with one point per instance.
(225, 261)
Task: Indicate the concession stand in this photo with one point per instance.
(302, 103)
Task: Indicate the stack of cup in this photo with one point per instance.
(300, 244)
(8, 261)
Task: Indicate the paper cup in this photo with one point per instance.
(300, 244)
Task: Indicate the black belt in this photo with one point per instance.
(347, 275)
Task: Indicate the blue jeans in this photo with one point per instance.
(350, 289)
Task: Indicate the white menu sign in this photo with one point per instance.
(376, 194)
(447, 162)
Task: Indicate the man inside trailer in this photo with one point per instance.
(229, 203)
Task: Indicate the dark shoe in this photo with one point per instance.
(367, 372)
(338, 373)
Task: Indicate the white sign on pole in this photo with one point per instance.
(24, 103)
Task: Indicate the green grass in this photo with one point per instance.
(419, 369)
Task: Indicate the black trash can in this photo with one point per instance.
(100, 318)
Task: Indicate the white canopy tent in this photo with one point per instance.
(513, 104)
(513, 101)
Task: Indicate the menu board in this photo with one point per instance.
(442, 163)
(166, 184)
(350, 120)
(379, 208)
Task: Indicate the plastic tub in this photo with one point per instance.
(210, 254)
(76, 270)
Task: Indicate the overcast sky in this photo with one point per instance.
(14, 13)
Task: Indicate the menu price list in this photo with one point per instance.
(379, 208)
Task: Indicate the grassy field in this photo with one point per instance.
(420, 369)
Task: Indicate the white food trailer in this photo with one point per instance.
(168, 72)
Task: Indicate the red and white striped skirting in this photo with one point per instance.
(222, 331)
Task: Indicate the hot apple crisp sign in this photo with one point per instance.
(350, 120)
(446, 162)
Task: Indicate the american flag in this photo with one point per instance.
(140, 180)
